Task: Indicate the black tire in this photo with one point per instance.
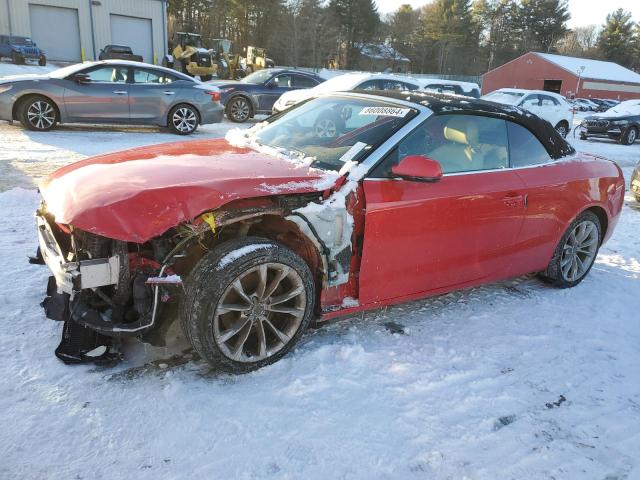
(183, 119)
(38, 113)
(238, 109)
(563, 128)
(583, 137)
(554, 274)
(210, 282)
(637, 197)
(42, 61)
(630, 136)
(205, 78)
(17, 58)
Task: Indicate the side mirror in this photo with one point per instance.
(81, 78)
(418, 168)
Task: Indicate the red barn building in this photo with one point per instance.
(568, 76)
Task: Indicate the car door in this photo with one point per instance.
(276, 86)
(429, 237)
(104, 97)
(152, 94)
(550, 204)
(550, 109)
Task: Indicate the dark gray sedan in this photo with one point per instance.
(110, 91)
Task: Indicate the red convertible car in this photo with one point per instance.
(344, 203)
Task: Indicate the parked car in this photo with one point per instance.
(256, 93)
(547, 105)
(111, 91)
(263, 232)
(119, 52)
(347, 82)
(620, 123)
(20, 49)
(601, 105)
(585, 105)
(468, 89)
(635, 182)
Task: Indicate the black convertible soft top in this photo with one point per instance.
(446, 103)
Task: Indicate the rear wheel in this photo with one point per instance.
(42, 61)
(328, 125)
(247, 303)
(576, 252)
(238, 109)
(183, 119)
(38, 113)
(630, 136)
(205, 78)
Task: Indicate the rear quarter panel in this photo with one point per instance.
(558, 193)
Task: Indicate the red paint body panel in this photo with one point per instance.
(466, 230)
(139, 194)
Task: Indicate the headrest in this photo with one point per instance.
(462, 130)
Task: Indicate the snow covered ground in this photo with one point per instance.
(509, 381)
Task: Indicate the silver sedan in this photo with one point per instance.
(111, 91)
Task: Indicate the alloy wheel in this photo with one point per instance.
(259, 312)
(326, 128)
(185, 120)
(240, 110)
(579, 251)
(562, 130)
(631, 137)
(41, 114)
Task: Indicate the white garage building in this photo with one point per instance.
(76, 30)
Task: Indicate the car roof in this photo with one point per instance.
(525, 91)
(442, 81)
(132, 63)
(291, 70)
(442, 103)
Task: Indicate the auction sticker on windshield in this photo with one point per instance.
(385, 111)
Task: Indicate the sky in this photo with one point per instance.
(583, 12)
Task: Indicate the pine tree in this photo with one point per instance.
(616, 41)
(544, 23)
(358, 21)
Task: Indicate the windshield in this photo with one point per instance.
(21, 41)
(327, 128)
(260, 76)
(120, 49)
(70, 70)
(510, 98)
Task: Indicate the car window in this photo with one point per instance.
(524, 148)
(530, 101)
(369, 85)
(109, 75)
(460, 143)
(302, 81)
(547, 101)
(393, 85)
(283, 81)
(149, 76)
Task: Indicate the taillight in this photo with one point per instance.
(215, 96)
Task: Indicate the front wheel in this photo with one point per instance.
(17, 58)
(238, 109)
(576, 252)
(246, 304)
(563, 128)
(38, 113)
(630, 136)
(183, 119)
(205, 78)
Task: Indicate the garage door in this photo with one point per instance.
(56, 31)
(134, 32)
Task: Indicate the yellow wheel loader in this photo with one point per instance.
(188, 56)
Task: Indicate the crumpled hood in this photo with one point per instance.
(138, 194)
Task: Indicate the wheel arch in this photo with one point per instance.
(603, 217)
(22, 98)
(247, 96)
(166, 117)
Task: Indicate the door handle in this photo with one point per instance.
(169, 92)
(120, 92)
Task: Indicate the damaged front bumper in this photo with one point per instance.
(72, 277)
